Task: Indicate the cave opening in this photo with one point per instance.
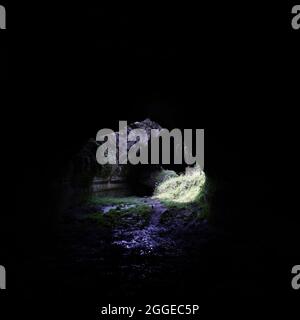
(154, 202)
(140, 203)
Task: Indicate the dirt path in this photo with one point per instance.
(152, 239)
(157, 210)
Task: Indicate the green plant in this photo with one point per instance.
(139, 212)
(190, 191)
(182, 189)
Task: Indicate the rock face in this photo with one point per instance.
(85, 176)
(146, 125)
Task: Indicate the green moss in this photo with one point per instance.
(105, 201)
(120, 216)
(100, 219)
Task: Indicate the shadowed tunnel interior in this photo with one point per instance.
(238, 159)
(85, 82)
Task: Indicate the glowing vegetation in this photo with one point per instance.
(182, 189)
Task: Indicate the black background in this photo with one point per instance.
(230, 67)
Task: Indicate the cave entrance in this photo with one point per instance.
(170, 184)
(166, 185)
(138, 205)
(158, 201)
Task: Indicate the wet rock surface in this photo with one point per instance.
(153, 239)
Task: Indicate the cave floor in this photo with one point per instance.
(139, 246)
(133, 243)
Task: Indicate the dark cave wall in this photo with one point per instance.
(241, 162)
(241, 152)
(78, 85)
(140, 70)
